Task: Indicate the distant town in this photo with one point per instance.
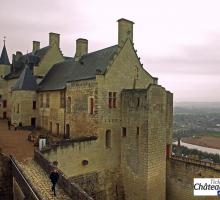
(193, 119)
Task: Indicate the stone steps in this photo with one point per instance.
(40, 180)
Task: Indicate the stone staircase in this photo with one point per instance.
(40, 180)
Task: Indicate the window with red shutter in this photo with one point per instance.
(110, 99)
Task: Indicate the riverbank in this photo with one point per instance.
(204, 141)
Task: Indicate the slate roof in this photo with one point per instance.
(33, 58)
(4, 57)
(26, 81)
(71, 70)
(41, 52)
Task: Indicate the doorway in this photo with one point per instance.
(67, 131)
(33, 122)
(4, 115)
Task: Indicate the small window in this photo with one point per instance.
(34, 105)
(85, 162)
(51, 127)
(41, 100)
(138, 131)
(68, 105)
(110, 99)
(58, 129)
(138, 102)
(62, 99)
(18, 108)
(47, 100)
(108, 139)
(124, 132)
(91, 105)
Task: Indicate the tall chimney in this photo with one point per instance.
(18, 55)
(36, 46)
(125, 31)
(54, 39)
(81, 47)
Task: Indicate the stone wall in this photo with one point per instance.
(180, 175)
(72, 189)
(22, 107)
(6, 180)
(81, 122)
(83, 158)
(52, 115)
(7, 95)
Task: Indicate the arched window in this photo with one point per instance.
(108, 139)
(68, 105)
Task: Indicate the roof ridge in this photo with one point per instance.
(99, 50)
(26, 80)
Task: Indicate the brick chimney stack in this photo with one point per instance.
(36, 46)
(81, 47)
(125, 31)
(54, 39)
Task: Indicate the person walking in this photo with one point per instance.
(54, 176)
(9, 124)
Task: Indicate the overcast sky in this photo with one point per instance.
(178, 40)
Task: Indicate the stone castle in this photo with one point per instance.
(110, 100)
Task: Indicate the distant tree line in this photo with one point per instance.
(194, 152)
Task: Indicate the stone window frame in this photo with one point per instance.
(112, 99)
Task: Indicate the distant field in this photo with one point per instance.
(216, 134)
(205, 141)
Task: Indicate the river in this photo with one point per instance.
(200, 148)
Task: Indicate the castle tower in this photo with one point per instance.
(24, 98)
(4, 70)
(4, 62)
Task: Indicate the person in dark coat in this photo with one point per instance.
(54, 176)
(9, 124)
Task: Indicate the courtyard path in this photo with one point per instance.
(15, 142)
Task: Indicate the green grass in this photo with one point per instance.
(215, 134)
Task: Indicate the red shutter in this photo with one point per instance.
(114, 99)
(91, 105)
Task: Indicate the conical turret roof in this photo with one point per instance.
(4, 57)
(26, 80)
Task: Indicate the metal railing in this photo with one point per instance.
(215, 166)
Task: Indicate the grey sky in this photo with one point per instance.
(178, 41)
